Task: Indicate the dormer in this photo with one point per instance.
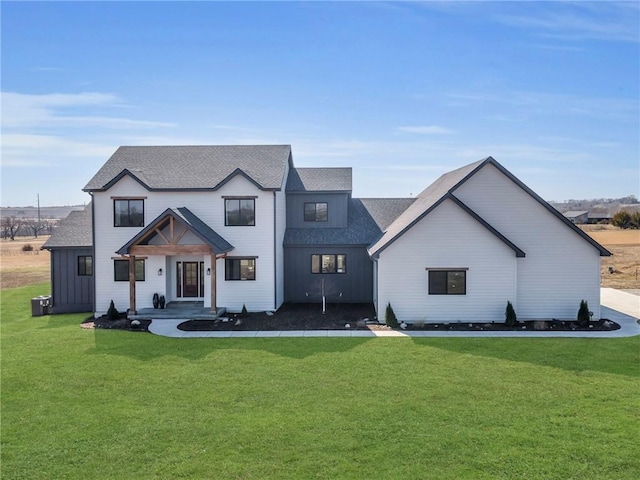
(318, 197)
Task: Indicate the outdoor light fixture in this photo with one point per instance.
(208, 271)
(159, 272)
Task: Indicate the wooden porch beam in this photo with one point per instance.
(132, 284)
(169, 250)
(214, 307)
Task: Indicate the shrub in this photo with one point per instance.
(243, 312)
(27, 248)
(390, 317)
(583, 314)
(624, 219)
(112, 313)
(510, 316)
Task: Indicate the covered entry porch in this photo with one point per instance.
(179, 311)
(183, 251)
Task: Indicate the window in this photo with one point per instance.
(239, 212)
(447, 282)
(85, 265)
(121, 270)
(240, 269)
(328, 264)
(316, 212)
(128, 213)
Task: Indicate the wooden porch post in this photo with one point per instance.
(214, 308)
(132, 284)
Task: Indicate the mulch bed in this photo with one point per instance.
(337, 317)
(306, 316)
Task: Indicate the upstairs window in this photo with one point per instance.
(316, 212)
(240, 212)
(85, 265)
(128, 213)
(121, 270)
(447, 282)
(329, 263)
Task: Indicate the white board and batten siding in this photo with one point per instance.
(560, 268)
(447, 238)
(248, 241)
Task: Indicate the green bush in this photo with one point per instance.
(390, 317)
(625, 219)
(244, 312)
(511, 318)
(583, 314)
(113, 313)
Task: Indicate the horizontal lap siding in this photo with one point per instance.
(446, 238)
(355, 285)
(254, 241)
(560, 267)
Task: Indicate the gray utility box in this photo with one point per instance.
(40, 305)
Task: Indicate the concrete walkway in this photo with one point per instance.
(621, 307)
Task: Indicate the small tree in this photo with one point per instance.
(510, 316)
(622, 219)
(112, 313)
(390, 317)
(244, 312)
(583, 314)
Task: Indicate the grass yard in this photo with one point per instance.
(105, 404)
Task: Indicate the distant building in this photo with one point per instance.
(577, 217)
(599, 217)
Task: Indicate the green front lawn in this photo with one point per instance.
(103, 404)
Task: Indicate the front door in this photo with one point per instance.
(190, 278)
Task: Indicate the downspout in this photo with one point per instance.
(93, 251)
(275, 262)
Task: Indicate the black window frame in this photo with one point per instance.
(319, 268)
(247, 222)
(117, 219)
(311, 215)
(441, 281)
(229, 272)
(85, 268)
(140, 271)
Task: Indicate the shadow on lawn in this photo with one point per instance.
(607, 355)
(144, 346)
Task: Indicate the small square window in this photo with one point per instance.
(447, 282)
(128, 213)
(240, 212)
(121, 270)
(316, 212)
(240, 269)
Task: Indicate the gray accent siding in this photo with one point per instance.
(71, 292)
(356, 285)
(337, 210)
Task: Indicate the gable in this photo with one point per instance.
(514, 209)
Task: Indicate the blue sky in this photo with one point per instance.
(402, 92)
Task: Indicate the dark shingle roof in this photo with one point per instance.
(385, 210)
(73, 231)
(424, 201)
(319, 180)
(363, 228)
(195, 167)
(193, 223)
(444, 188)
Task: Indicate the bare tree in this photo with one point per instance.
(10, 226)
(35, 226)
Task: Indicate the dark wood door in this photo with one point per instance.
(190, 277)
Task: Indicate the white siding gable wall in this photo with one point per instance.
(560, 267)
(447, 238)
(254, 241)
